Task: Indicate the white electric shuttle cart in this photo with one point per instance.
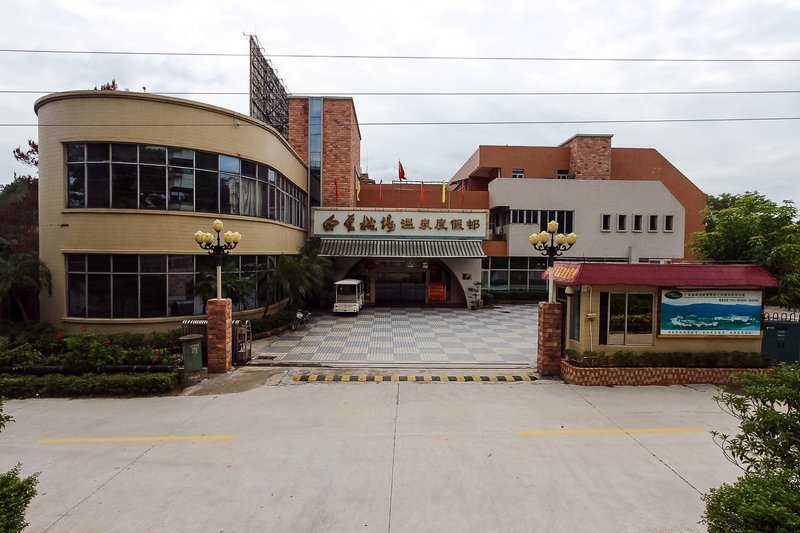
(349, 296)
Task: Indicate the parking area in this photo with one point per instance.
(498, 336)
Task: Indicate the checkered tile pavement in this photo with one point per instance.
(499, 335)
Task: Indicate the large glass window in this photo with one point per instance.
(629, 318)
(130, 176)
(142, 286)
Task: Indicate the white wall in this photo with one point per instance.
(589, 199)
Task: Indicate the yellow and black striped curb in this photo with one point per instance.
(379, 378)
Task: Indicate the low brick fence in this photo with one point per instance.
(650, 375)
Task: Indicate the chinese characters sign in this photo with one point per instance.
(711, 312)
(400, 223)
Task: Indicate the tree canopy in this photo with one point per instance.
(19, 206)
(751, 228)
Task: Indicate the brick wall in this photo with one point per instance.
(650, 375)
(590, 157)
(548, 359)
(298, 127)
(219, 335)
(338, 122)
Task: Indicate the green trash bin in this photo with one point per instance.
(192, 353)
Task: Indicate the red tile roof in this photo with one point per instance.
(657, 275)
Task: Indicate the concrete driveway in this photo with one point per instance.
(496, 337)
(388, 457)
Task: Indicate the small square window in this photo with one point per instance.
(637, 223)
(652, 224)
(668, 223)
(605, 222)
(517, 172)
(622, 222)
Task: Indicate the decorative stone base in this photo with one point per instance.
(548, 358)
(606, 376)
(220, 335)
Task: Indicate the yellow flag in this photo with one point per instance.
(444, 192)
(358, 190)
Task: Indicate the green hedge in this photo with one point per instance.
(281, 318)
(60, 386)
(731, 359)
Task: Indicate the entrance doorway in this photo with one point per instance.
(408, 282)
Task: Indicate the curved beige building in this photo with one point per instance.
(127, 178)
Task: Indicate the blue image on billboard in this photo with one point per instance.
(711, 312)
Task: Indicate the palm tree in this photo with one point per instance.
(300, 277)
(233, 286)
(21, 273)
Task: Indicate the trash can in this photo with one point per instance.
(192, 353)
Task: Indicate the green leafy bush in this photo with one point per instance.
(767, 496)
(22, 356)
(61, 386)
(623, 358)
(16, 492)
(281, 318)
(487, 297)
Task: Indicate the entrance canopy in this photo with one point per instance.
(423, 248)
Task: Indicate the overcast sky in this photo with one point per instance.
(718, 157)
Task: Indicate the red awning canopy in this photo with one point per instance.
(657, 275)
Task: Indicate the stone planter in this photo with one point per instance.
(606, 376)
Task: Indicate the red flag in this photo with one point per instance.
(380, 192)
(336, 188)
(400, 172)
(422, 193)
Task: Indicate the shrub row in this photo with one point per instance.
(60, 386)
(273, 321)
(732, 359)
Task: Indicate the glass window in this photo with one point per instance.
(181, 263)
(152, 187)
(499, 280)
(181, 294)
(97, 185)
(99, 263)
(123, 186)
(125, 263)
(637, 222)
(76, 153)
(653, 224)
(229, 164)
(207, 188)
(575, 317)
(76, 263)
(126, 295)
(153, 295)
(519, 263)
(622, 222)
(98, 295)
(518, 280)
(229, 193)
(97, 152)
(499, 263)
(668, 221)
(179, 157)
(153, 263)
(248, 197)
(124, 153)
(207, 161)
(569, 216)
(76, 295)
(263, 171)
(248, 168)
(639, 319)
(262, 199)
(153, 155)
(535, 281)
(76, 185)
(616, 319)
(181, 189)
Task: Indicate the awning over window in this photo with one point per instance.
(400, 248)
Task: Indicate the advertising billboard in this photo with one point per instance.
(711, 312)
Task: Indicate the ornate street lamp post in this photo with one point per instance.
(552, 246)
(218, 250)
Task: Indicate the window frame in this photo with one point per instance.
(605, 227)
(669, 223)
(622, 223)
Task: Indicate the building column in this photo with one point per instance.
(220, 336)
(548, 358)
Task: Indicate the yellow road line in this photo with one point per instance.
(607, 431)
(138, 439)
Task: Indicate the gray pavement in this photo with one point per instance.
(495, 337)
(399, 457)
